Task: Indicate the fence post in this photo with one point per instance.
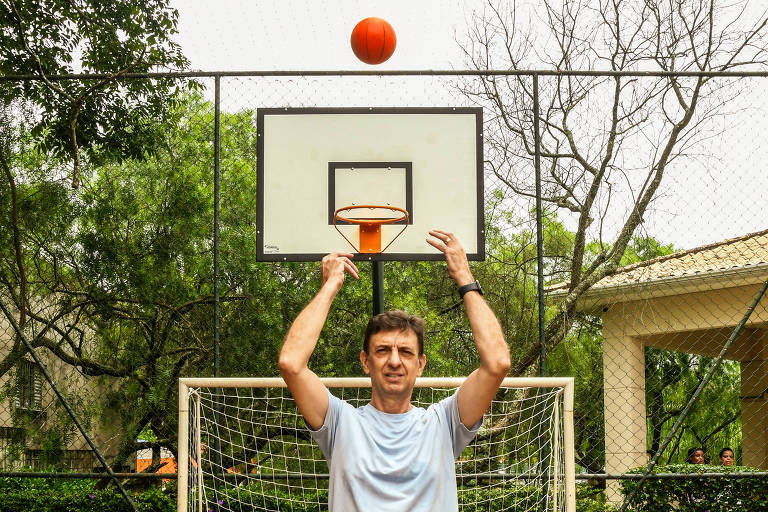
(540, 269)
(182, 465)
(216, 158)
(539, 225)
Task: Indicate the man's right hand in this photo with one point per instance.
(308, 391)
(335, 265)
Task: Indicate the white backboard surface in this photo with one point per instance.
(313, 160)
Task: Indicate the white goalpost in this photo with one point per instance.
(244, 446)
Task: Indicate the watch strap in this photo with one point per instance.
(474, 286)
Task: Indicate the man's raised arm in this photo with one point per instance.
(308, 392)
(477, 392)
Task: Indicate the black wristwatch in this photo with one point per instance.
(469, 288)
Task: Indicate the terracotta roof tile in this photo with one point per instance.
(741, 252)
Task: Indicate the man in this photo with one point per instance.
(389, 455)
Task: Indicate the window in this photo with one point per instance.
(29, 386)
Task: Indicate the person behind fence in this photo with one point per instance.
(726, 457)
(389, 455)
(696, 455)
(726, 497)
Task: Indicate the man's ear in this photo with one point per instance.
(364, 362)
(422, 363)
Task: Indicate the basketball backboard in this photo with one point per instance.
(313, 161)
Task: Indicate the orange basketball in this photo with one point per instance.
(373, 40)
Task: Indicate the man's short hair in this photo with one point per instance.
(394, 320)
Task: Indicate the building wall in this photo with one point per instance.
(698, 323)
(83, 393)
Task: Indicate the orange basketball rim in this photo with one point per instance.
(370, 228)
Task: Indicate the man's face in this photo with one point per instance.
(393, 362)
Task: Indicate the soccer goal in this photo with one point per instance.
(244, 446)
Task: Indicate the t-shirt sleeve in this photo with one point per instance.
(325, 436)
(461, 436)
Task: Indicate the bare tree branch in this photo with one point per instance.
(592, 126)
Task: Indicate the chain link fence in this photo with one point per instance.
(654, 245)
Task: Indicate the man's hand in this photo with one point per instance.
(335, 265)
(458, 265)
(477, 391)
(308, 392)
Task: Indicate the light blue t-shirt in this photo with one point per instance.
(393, 462)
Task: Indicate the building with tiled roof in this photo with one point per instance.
(690, 301)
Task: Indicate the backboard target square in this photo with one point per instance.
(373, 183)
(312, 161)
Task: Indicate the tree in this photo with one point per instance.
(581, 354)
(104, 117)
(713, 423)
(606, 141)
(120, 270)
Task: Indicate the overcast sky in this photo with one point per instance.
(302, 34)
(724, 189)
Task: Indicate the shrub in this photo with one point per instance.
(74, 495)
(525, 497)
(65, 495)
(592, 499)
(700, 494)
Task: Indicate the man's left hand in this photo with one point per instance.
(458, 265)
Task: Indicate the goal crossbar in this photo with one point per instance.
(186, 384)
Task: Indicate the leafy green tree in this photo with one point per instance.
(34, 206)
(581, 355)
(121, 269)
(103, 117)
(715, 420)
(46, 122)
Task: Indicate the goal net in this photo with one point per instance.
(244, 446)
